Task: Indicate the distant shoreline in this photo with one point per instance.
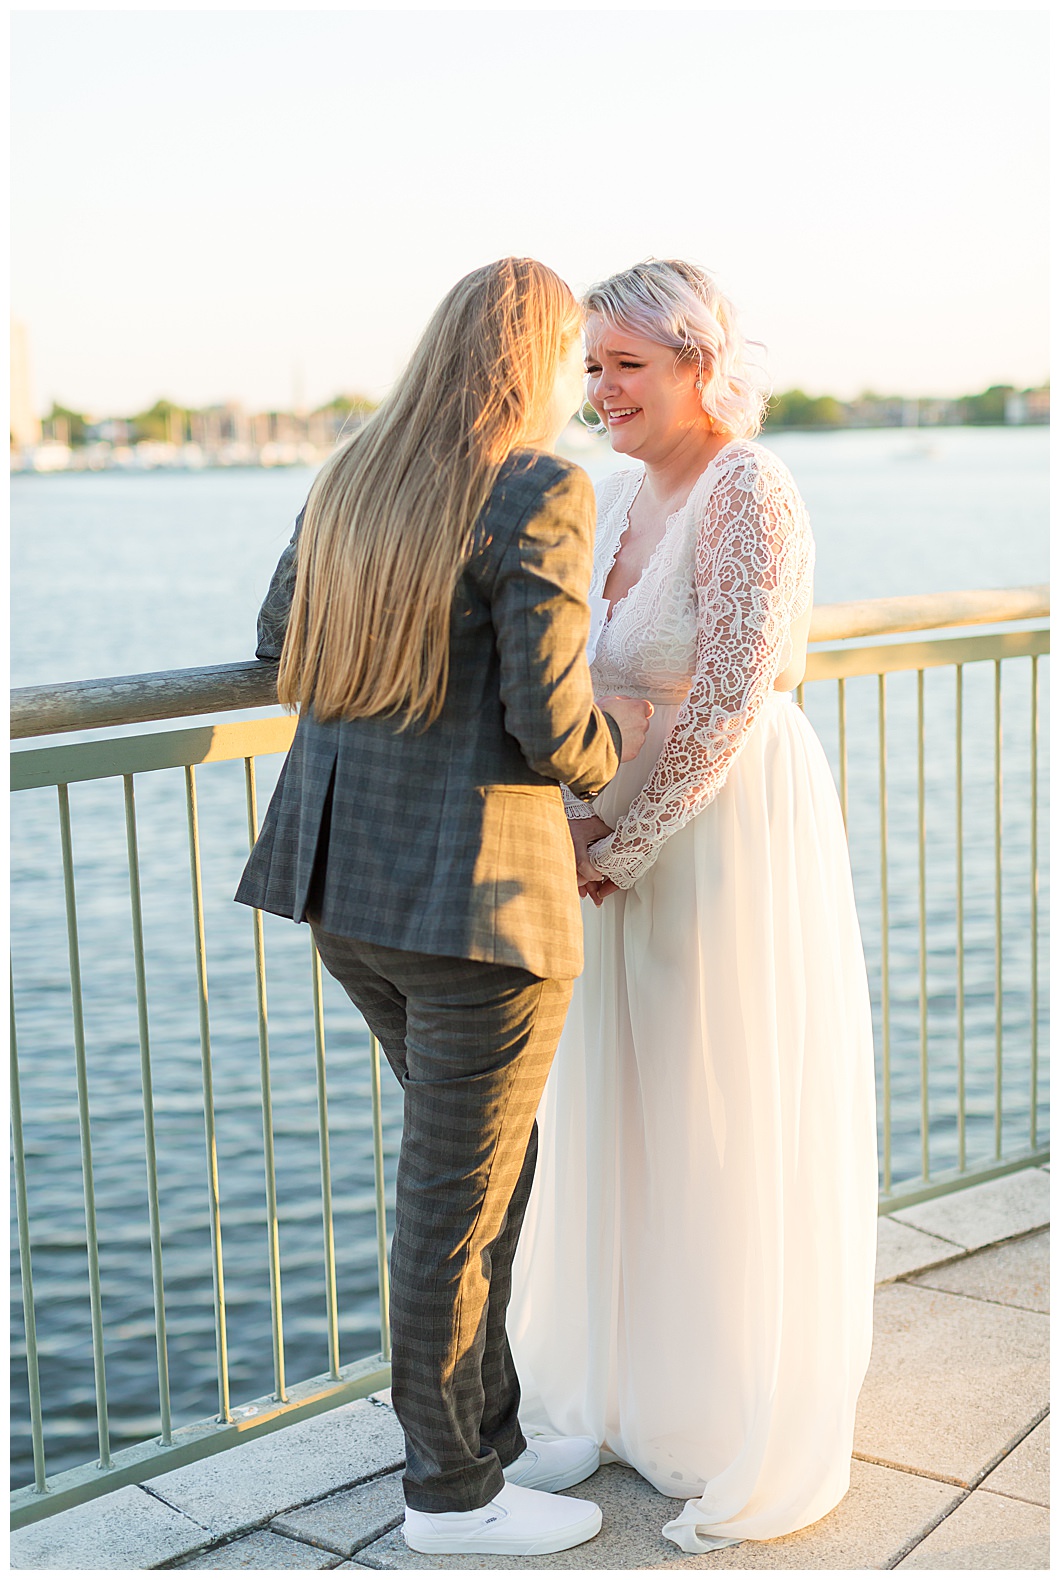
(76, 462)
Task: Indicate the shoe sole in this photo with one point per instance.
(515, 1546)
(580, 1472)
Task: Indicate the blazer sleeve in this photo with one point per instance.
(275, 611)
(541, 622)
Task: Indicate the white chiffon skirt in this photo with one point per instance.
(694, 1282)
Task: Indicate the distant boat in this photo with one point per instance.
(917, 452)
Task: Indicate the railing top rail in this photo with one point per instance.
(135, 699)
(219, 688)
(837, 622)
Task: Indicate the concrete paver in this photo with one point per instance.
(901, 1249)
(127, 1529)
(883, 1513)
(983, 1214)
(263, 1550)
(1014, 1274)
(249, 1484)
(986, 1532)
(952, 1381)
(958, 1375)
(1025, 1472)
(348, 1520)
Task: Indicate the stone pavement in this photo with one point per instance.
(950, 1467)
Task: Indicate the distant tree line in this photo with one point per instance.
(165, 418)
(796, 409)
(792, 409)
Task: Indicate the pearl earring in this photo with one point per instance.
(699, 384)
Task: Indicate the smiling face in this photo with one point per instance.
(646, 398)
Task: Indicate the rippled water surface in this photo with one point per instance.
(115, 574)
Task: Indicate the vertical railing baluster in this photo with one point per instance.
(380, 1197)
(800, 695)
(220, 1322)
(330, 1279)
(998, 981)
(272, 1209)
(1034, 901)
(81, 1065)
(885, 965)
(18, 1154)
(147, 1089)
(842, 705)
(961, 1098)
(921, 837)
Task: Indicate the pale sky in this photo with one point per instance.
(215, 205)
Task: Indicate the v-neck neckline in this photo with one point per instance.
(615, 604)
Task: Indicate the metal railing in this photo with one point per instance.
(107, 703)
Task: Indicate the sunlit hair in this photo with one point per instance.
(677, 304)
(389, 521)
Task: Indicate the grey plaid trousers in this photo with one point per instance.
(471, 1043)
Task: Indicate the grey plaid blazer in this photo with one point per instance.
(453, 840)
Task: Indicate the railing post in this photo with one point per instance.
(147, 1089)
(84, 1123)
(921, 828)
(1034, 902)
(999, 992)
(213, 1182)
(885, 974)
(380, 1197)
(841, 687)
(268, 1140)
(959, 810)
(25, 1261)
(330, 1276)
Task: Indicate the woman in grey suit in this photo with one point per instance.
(430, 618)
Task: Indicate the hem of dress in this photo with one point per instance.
(686, 1534)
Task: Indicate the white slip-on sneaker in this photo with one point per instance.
(519, 1521)
(551, 1464)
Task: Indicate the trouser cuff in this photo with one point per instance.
(458, 1494)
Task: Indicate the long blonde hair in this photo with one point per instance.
(389, 521)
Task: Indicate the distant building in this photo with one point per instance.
(1038, 405)
(1023, 406)
(25, 424)
(872, 411)
(936, 413)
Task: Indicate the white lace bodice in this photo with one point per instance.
(706, 626)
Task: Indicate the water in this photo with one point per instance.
(116, 573)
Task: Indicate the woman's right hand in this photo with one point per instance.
(585, 831)
(631, 715)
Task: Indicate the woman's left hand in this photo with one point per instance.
(585, 831)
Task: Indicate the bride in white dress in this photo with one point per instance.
(694, 1283)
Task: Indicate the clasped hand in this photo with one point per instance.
(585, 831)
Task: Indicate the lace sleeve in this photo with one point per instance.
(753, 572)
(575, 808)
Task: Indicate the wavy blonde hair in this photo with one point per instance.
(677, 304)
(389, 521)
